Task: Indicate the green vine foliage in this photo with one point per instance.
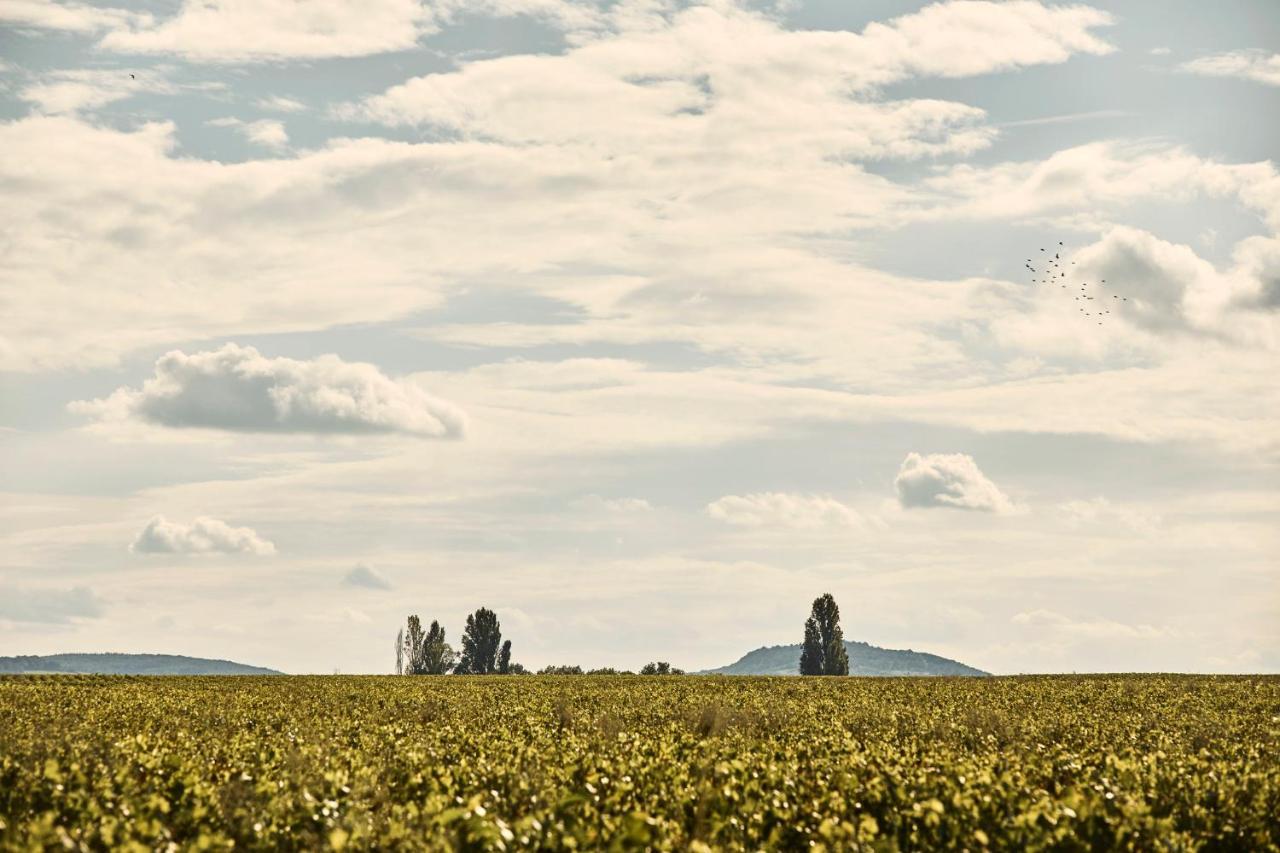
(629, 763)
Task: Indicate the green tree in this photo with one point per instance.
(400, 652)
(562, 669)
(437, 655)
(811, 654)
(414, 640)
(480, 642)
(824, 652)
(660, 667)
(504, 658)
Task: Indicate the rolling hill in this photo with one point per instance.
(125, 664)
(864, 659)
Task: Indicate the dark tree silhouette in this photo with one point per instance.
(480, 642)
(811, 653)
(437, 655)
(824, 652)
(504, 658)
(660, 667)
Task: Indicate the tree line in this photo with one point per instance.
(484, 652)
(428, 652)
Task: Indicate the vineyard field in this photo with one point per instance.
(632, 762)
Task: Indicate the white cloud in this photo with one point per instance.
(366, 577)
(202, 536)
(948, 480)
(48, 606)
(1256, 65)
(238, 389)
(248, 31)
(69, 17)
(273, 30)
(683, 84)
(780, 509)
(269, 133)
(1090, 629)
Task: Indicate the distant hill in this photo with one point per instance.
(122, 664)
(864, 659)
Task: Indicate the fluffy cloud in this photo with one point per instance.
(48, 606)
(202, 536)
(269, 133)
(1254, 65)
(365, 577)
(779, 509)
(947, 480)
(236, 388)
(1151, 282)
(68, 17)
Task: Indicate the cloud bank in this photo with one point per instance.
(202, 536)
(947, 480)
(238, 389)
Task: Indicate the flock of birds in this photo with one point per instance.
(1055, 272)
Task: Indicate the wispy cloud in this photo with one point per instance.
(779, 509)
(1067, 118)
(1256, 65)
(269, 133)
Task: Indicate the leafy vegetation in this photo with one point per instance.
(1068, 763)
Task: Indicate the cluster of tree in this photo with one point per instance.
(823, 652)
(660, 667)
(483, 652)
(574, 669)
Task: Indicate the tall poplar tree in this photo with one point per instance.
(824, 652)
(480, 642)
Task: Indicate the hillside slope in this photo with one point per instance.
(864, 659)
(125, 664)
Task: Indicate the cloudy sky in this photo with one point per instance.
(642, 323)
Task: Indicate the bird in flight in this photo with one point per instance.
(1058, 264)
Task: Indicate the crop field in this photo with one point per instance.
(679, 763)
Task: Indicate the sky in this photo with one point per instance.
(642, 323)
